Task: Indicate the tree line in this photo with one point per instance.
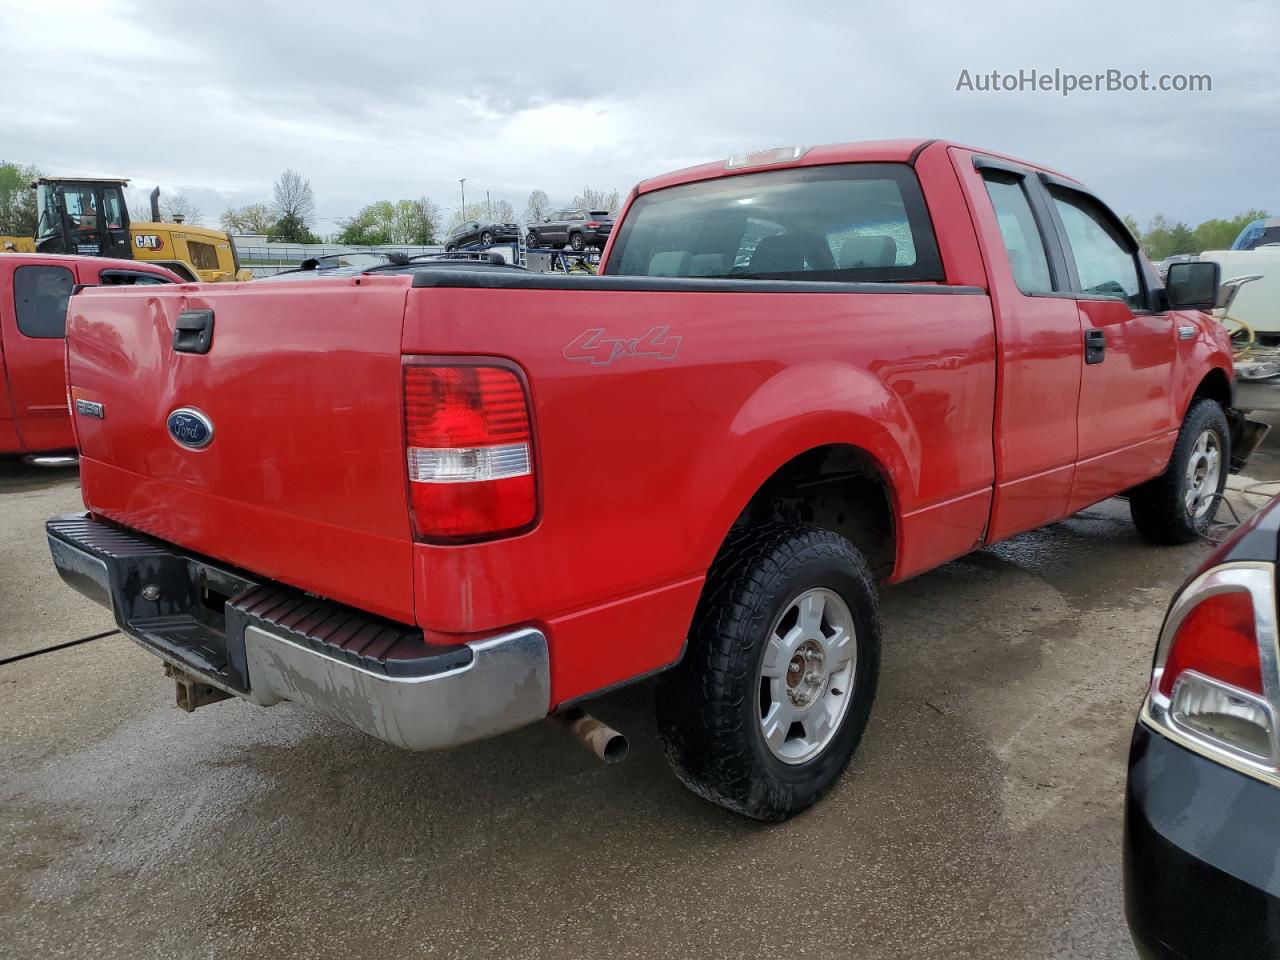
(1164, 239)
(417, 222)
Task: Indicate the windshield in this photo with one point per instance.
(847, 222)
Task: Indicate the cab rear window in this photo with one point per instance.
(40, 296)
(847, 222)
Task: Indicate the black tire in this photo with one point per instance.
(709, 706)
(449, 248)
(1159, 507)
(576, 241)
(531, 240)
(486, 238)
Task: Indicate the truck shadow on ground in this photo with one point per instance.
(18, 476)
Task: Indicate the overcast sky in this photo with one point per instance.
(386, 100)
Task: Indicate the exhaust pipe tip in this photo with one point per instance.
(599, 738)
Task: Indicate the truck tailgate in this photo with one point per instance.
(304, 479)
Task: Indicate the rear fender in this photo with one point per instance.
(796, 410)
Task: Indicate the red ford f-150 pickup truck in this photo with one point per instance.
(440, 500)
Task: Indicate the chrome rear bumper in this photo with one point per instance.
(265, 647)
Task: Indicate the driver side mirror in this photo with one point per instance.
(1193, 286)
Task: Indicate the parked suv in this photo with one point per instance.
(578, 229)
(475, 231)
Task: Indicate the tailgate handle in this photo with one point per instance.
(193, 333)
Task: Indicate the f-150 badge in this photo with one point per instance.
(595, 348)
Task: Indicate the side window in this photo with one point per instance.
(1021, 234)
(1107, 267)
(113, 208)
(131, 278)
(40, 297)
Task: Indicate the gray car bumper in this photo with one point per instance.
(429, 699)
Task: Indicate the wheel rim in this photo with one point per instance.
(486, 238)
(1204, 470)
(576, 242)
(806, 675)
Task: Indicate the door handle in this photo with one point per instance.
(193, 333)
(1095, 346)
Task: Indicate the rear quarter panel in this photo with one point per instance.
(644, 460)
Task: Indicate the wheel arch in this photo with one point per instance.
(836, 486)
(1214, 385)
(818, 423)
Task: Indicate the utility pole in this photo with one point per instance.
(462, 184)
(488, 207)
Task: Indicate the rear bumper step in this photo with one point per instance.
(264, 642)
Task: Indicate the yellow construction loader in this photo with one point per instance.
(89, 217)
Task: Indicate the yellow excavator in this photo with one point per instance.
(89, 217)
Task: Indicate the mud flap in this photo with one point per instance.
(1246, 435)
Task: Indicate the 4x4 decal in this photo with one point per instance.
(597, 349)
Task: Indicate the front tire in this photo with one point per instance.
(773, 695)
(531, 240)
(1178, 506)
(449, 248)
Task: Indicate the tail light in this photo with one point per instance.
(469, 450)
(1215, 685)
(592, 224)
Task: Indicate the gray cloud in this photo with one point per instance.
(395, 100)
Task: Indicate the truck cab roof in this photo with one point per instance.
(867, 151)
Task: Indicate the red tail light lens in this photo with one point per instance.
(1219, 639)
(468, 450)
(592, 224)
(1214, 685)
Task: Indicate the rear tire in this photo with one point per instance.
(449, 248)
(576, 241)
(769, 703)
(1178, 506)
(486, 238)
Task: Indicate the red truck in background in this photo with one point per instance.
(444, 499)
(34, 290)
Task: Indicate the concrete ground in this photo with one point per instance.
(981, 817)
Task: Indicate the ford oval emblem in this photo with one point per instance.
(190, 427)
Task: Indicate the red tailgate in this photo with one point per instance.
(303, 480)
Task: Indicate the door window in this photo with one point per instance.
(40, 297)
(81, 209)
(1020, 232)
(116, 278)
(1104, 260)
(113, 208)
